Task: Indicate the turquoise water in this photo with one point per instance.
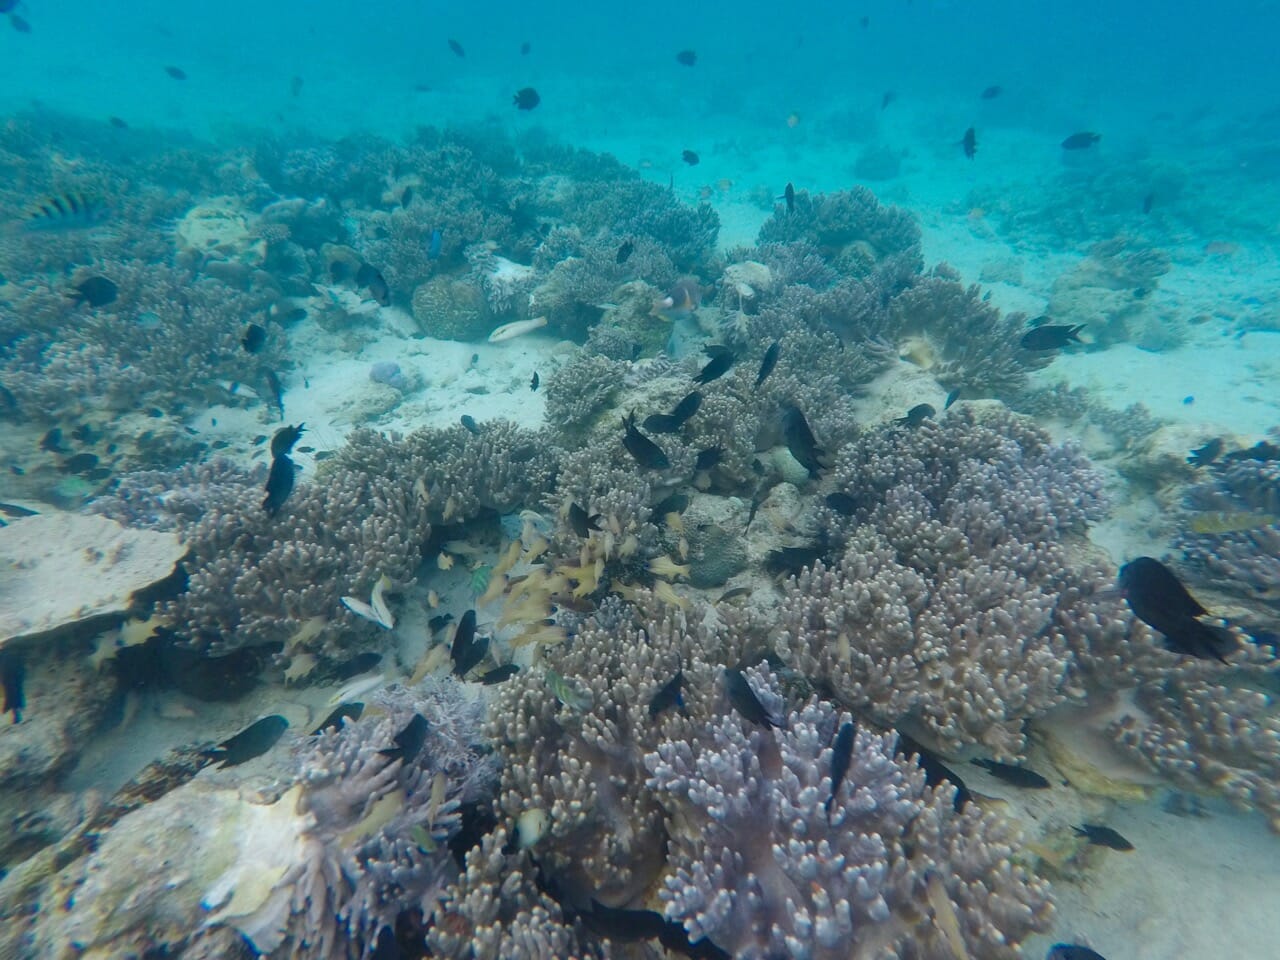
(648, 437)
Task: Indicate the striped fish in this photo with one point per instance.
(63, 212)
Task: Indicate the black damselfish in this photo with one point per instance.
(338, 718)
(582, 522)
(253, 741)
(801, 441)
(96, 292)
(769, 362)
(671, 695)
(279, 484)
(744, 700)
(408, 741)
(1158, 599)
(917, 415)
(1103, 836)
(1053, 336)
(283, 440)
(643, 450)
(716, 367)
(1012, 774)
(841, 754)
(13, 675)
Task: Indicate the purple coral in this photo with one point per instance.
(388, 372)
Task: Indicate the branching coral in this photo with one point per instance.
(762, 865)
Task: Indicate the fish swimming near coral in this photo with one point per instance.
(1012, 774)
(1103, 836)
(1203, 456)
(499, 674)
(283, 440)
(935, 771)
(791, 561)
(789, 195)
(1262, 450)
(970, 143)
(624, 252)
(689, 157)
(376, 610)
(1158, 599)
(673, 421)
(409, 741)
(526, 98)
(568, 692)
(801, 441)
(719, 364)
(1081, 141)
(63, 213)
(841, 503)
(743, 699)
(254, 338)
(337, 719)
(273, 392)
(643, 450)
(1072, 951)
(370, 278)
(681, 300)
(435, 243)
(582, 522)
(517, 328)
(917, 415)
(1220, 522)
(96, 292)
(670, 695)
(768, 362)
(253, 741)
(841, 754)
(469, 424)
(466, 651)
(13, 675)
(1051, 336)
(533, 381)
(952, 397)
(279, 484)
(709, 458)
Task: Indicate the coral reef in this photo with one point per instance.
(762, 865)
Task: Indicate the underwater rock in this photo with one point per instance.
(64, 569)
(449, 309)
(218, 229)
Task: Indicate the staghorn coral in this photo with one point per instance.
(954, 603)
(847, 218)
(760, 867)
(580, 392)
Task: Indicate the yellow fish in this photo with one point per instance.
(1228, 522)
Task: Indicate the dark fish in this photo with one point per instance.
(744, 700)
(360, 663)
(675, 503)
(275, 391)
(582, 522)
(791, 560)
(789, 195)
(801, 441)
(409, 741)
(526, 98)
(1013, 774)
(466, 651)
(498, 674)
(525, 48)
(284, 439)
(1053, 336)
(1159, 600)
(118, 123)
(689, 157)
(1262, 450)
(254, 339)
(1080, 141)
(841, 503)
(456, 47)
(952, 397)
(687, 407)
(253, 741)
(686, 58)
(970, 143)
(917, 415)
(716, 367)
(669, 696)
(769, 362)
(437, 623)
(13, 672)
(96, 292)
(888, 98)
(841, 754)
(257, 441)
(645, 452)
(708, 458)
(533, 381)
(386, 947)
(1072, 951)
(623, 925)
(1203, 456)
(295, 86)
(625, 251)
(436, 242)
(733, 594)
(8, 6)
(79, 463)
(52, 441)
(176, 72)
(1102, 836)
(68, 211)
(991, 92)
(19, 23)
(279, 484)
(1148, 202)
(337, 719)
(13, 510)
(673, 421)
(469, 423)
(935, 771)
(371, 278)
